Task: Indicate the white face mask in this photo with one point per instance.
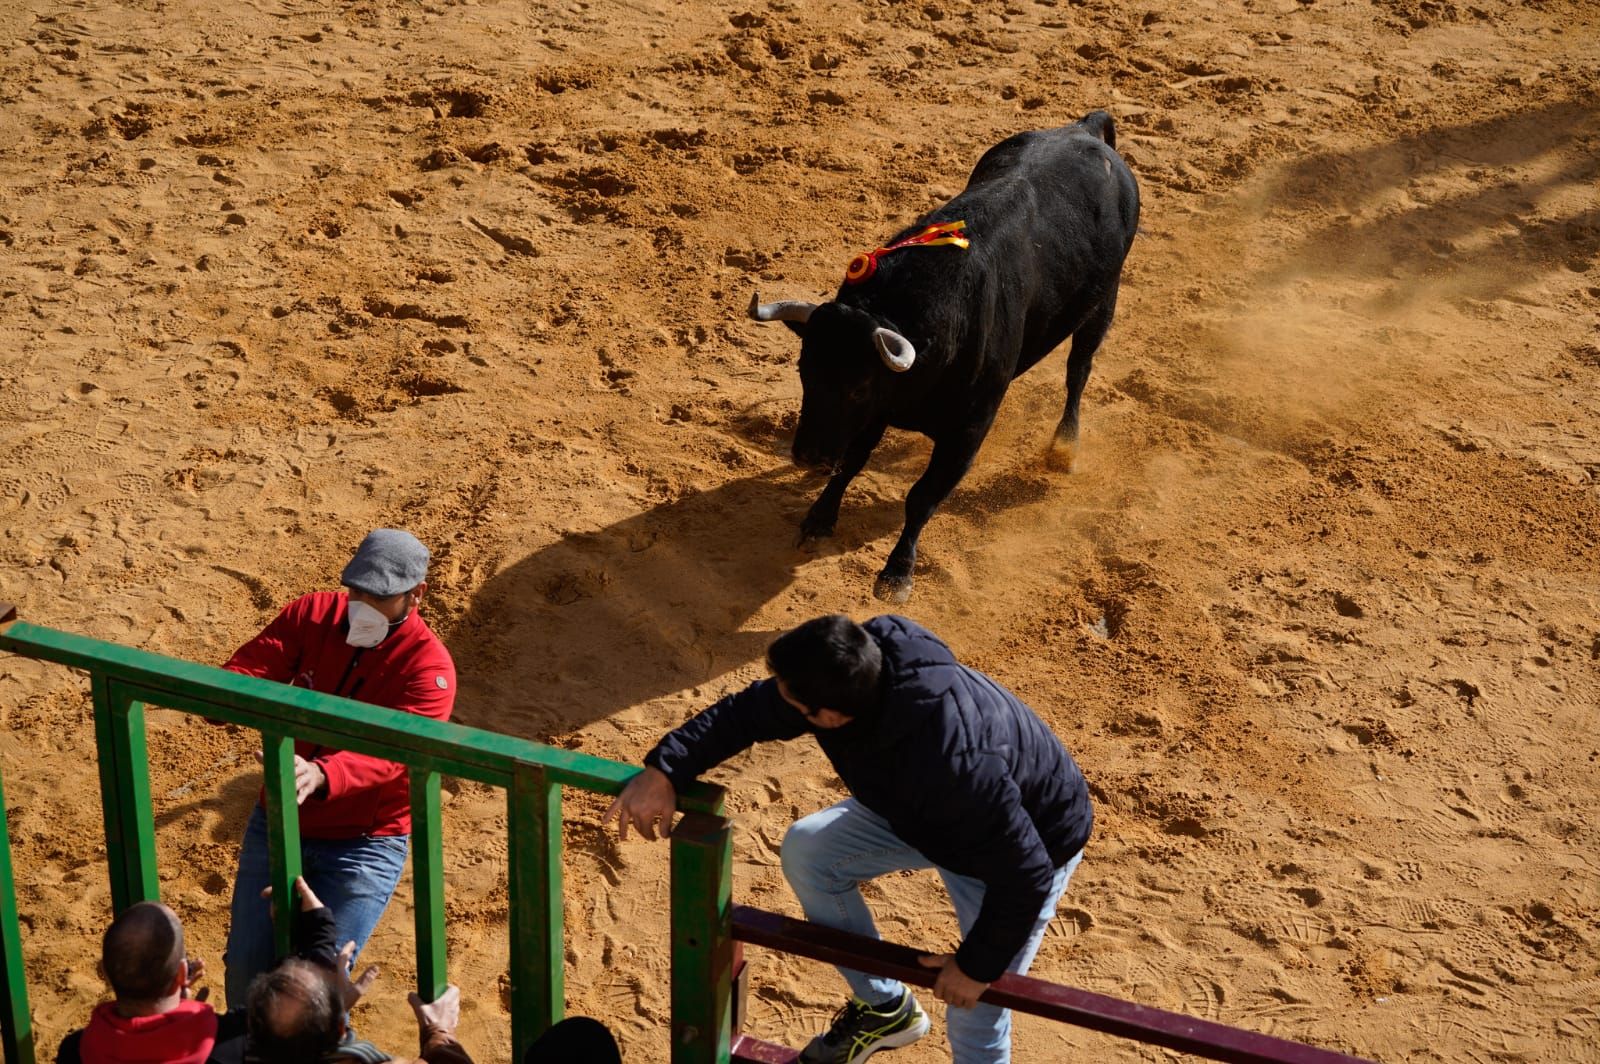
(367, 625)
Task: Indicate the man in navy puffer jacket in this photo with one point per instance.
(946, 769)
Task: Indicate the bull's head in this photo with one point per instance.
(844, 352)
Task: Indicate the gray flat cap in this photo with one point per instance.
(388, 562)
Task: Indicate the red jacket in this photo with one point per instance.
(410, 671)
(183, 1036)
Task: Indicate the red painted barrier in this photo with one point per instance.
(1174, 1030)
(755, 1051)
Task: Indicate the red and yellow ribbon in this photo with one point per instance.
(865, 264)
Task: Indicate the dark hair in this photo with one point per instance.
(294, 1015)
(141, 951)
(829, 663)
(575, 1038)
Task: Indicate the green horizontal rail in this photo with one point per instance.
(269, 706)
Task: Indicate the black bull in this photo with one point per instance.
(932, 336)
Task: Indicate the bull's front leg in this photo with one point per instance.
(824, 513)
(952, 457)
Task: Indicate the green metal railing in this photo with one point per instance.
(123, 680)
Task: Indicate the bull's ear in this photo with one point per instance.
(791, 312)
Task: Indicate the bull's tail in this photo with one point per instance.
(1101, 125)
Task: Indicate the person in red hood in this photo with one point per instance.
(153, 1019)
(369, 644)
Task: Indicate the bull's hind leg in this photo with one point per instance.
(1085, 342)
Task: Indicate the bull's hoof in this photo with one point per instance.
(1061, 455)
(812, 532)
(811, 544)
(895, 589)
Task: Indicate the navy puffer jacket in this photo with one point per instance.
(960, 768)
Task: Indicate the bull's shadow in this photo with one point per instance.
(652, 605)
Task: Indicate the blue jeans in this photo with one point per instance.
(352, 877)
(827, 854)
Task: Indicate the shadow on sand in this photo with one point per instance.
(1482, 241)
(650, 606)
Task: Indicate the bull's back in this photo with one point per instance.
(1070, 177)
(1059, 208)
(1051, 214)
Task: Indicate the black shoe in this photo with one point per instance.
(859, 1030)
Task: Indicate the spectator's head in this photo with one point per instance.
(294, 1014)
(575, 1038)
(142, 955)
(386, 579)
(828, 668)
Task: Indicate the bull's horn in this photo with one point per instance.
(786, 310)
(898, 352)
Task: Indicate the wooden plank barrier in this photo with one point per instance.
(1098, 1012)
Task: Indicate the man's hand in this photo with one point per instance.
(647, 800)
(438, 1017)
(350, 992)
(308, 897)
(308, 777)
(953, 986)
(196, 969)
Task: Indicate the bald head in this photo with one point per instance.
(141, 952)
(294, 1014)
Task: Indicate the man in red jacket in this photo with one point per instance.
(369, 644)
(153, 1018)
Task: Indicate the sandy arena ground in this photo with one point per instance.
(1316, 611)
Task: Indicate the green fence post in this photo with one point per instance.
(538, 992)
(702, 940)
(125, 793)
(283, 836)
(427, 883)
(16, 1022)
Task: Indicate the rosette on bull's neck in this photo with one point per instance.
(865, 264)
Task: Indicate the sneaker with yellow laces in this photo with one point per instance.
(860, 1030)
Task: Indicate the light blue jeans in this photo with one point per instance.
(829, 853)
(353, 878)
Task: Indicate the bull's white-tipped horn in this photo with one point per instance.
(898, 353)
(784, 310)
